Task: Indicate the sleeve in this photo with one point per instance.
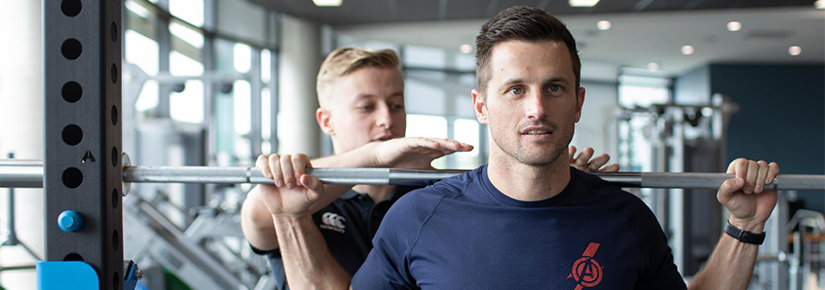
(387, 265)
(662, 272)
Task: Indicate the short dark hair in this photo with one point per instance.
(525, 24)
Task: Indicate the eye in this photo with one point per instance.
(397, 107)
(364, 108)
(555, 88)
(517, 91)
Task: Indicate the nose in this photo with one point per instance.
(383, 116)
(534, 106)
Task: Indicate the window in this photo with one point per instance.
(188, 10)
(143, 51)
(467, 131)
(428, 126)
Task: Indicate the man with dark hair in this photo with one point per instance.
(361, 98)
(527, 220)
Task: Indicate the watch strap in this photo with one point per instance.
(744, 236)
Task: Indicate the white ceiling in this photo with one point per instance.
(637, 39)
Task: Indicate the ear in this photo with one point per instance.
(479, 106)
(324, 121)
(579, 103)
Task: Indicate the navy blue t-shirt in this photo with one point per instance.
(463, 233)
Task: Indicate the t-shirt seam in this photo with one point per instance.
(408, 254)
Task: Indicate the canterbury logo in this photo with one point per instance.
(586, 271)
(333, 221)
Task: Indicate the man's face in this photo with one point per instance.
(367, 105)
(531, 103)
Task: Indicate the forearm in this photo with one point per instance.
(307, 262)
(359, 157)
(256, 223)
(730, 266)
(363, 156)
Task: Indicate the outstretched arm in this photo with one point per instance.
(414, 153)
(731, 264)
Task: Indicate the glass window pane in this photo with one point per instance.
(180, 64)
(187, 34)
(266, 116)
(243, 148)
(137, 9)
(242, 57)
(266, 65)
(242, 104)
(189, 10)
(142, 51)
(633, 96)
(428, 126)
(187, 106)
(148, 97)
(466, 131)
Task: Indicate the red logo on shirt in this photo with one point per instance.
(586, 271)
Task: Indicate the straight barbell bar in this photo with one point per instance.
(29, 174)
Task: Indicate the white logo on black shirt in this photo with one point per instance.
(333, 221)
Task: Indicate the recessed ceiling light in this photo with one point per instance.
(794, 50)
(687, 49)
(734, 26)
(465, 48)
(583, 3)
(653, 66)
(327, 3)
(819, 4)
(603, 25)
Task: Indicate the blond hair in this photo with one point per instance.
(345, 60)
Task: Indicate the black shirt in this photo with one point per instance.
(348, 225)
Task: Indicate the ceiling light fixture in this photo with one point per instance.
(795, 50)
(583, 3)
(465, 48)
(603, 25)
(819, 4)
(734, 26)
(687, 49)
(327, 3)
(653, 66)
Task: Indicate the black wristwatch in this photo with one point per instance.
(744, 236)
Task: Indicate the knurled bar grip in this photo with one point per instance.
(29, 174)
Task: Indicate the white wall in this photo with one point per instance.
(300, 59)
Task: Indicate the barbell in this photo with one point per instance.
(29, 174)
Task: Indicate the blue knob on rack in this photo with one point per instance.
(70, 221)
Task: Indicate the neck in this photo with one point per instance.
(524, 182)
(376, 192)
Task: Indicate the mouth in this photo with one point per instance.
(536, 130)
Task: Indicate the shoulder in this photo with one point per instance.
(417, 205)
(593, 186)
(637, 214)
